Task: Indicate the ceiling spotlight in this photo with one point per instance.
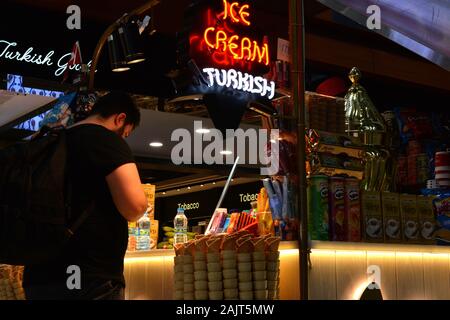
(273, 141)
(131, 42)
(116, 57)
(214, 183)
(164, 193)
(226, 152)
(189, 188)
(178, 190)
(202, 185)
(156, 144)
(203, 131)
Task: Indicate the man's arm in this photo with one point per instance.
(126, 189)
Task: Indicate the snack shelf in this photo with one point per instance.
(365, 246)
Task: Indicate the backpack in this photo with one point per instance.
(35, 200)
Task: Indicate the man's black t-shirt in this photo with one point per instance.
(99, 246)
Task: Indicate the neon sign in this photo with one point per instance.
(240, 48)
(8, 51)
(240, 81)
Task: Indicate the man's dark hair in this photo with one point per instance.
(117, 102)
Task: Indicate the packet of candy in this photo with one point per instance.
(413, 125)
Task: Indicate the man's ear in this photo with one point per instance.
(120, 119)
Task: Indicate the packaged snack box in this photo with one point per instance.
(427, 220)
(353, 209)
(410, 218)
(391, 217)
(372, 216)
(149, 190)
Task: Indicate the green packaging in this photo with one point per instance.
(318, 220)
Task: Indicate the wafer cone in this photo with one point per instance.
(214, 267)
(200, 266)
(213, 257)
(244, 257)
(229, 274)
(179, 285)
(259, 266)
(259, 275)
(188, 278)
(188, 287)
(244, 266)
(214, 276)
(229, 255)
(216, 295)
(230, 283)
(215, 286)
(229, 264)
(179, 295)
(260, 294)
(201, 285)
(201, 295)
(260, 285)
(201, 275)
(244, 276)
(244, 295)
(230, 294)
(245, 286)
(189, 296)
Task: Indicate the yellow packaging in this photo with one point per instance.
(149, 190)
(372, 216)
(410, 218)
(391, 217)
(154, 227)
(427, 220)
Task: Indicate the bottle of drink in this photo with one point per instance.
(132, 236)
(180, 224)
(143, 234)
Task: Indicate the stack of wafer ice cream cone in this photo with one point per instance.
(244, 264)
(229, 273)
(273, 268)
(188, 271)
(11, 283)
(259, 269)
(179, 273)
(215, 283)
(230, 267)
(200, 269)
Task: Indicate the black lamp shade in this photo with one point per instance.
(116, 57)
(131, 42)
(225, 111)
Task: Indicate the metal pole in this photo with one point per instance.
(297, 35)
(224, 192)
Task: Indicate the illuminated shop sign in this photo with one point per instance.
(224, 37)
(9, 51)
(240, 81)
(240, 48)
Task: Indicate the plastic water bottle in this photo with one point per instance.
(180, 224)
(143, 233)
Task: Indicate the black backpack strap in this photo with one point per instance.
(77, 224)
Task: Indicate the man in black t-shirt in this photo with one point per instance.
(102, 172)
